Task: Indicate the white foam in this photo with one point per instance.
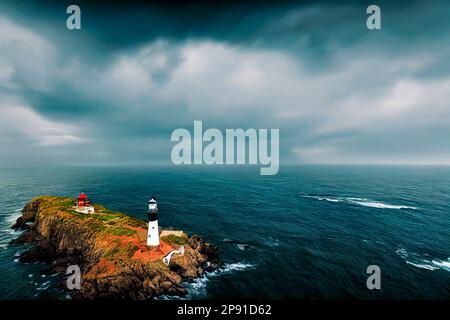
(379, 205)
(6, 233)
(419, 262)
(199, 285)
(361, 201)
(422, 265)
(442, 264)
(11, 218)
(324, 198)
(331, 200)
(402, 252)
(43, 286)
(227, 268)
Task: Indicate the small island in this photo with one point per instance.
(111, 251)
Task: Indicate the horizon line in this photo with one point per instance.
(219, 165)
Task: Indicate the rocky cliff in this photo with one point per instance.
(109, 247)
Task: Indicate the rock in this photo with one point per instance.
(211, 252)
(115, 263)
(26, 237)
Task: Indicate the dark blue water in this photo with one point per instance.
(311, 231)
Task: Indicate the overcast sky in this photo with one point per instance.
(113, 92)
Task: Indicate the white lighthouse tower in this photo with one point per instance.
(153, 232)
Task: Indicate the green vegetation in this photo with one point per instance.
(97, 226)
(65, 202)
(119, 231)
(103, 220)
(172, 239)
(78, 214)
(111, 253)
(133, 222)
(105, 217)
(128, 250)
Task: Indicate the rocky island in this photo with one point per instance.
(110, 249)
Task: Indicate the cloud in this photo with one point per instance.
(25, 58)
(21, 123)
(337, 95)
(407, 103)
(26, 65)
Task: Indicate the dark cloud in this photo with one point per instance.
(112, 92)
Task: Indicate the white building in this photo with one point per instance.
(153, 232)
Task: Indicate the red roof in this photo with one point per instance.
(82, 196)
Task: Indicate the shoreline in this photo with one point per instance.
(114, 261)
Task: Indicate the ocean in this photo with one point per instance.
(309, 232)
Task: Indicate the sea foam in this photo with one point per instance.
(6, 233)
(198, 287)
(418, 261)
(358, 201)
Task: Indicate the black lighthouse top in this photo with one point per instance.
(152, 209)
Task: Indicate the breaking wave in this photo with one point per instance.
(358, 201)
(6, 233)
(198, 286)
(231, 267)
(423, 263)
(442, 264)
(11, 218)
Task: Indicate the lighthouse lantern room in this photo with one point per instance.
(153, 231)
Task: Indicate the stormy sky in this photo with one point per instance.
(112, 92)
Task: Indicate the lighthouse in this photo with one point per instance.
(82, 200)
(153, 232)
(83, 205)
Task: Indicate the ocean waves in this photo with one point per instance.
(198, 287)
(357, 201)
(6, 233)
(422, 262)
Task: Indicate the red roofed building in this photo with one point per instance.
(82, 200)
(83, 204)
